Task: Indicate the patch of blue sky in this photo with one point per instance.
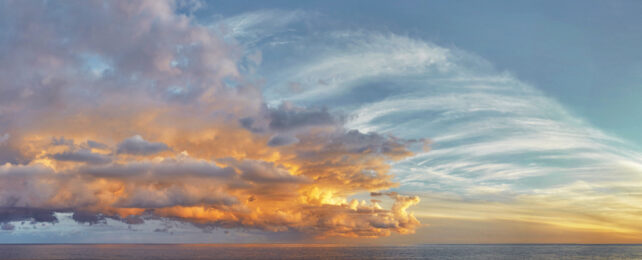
(95, 64)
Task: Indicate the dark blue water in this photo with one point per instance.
(162, 251)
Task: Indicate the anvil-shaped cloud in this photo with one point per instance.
(130, 110)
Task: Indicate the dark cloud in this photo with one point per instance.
(162, 230)
(62, 141)
(248, 123)
(94, 144)
(287, 117)
(89, 218)
(281, 140)
(167, 169)
(132, 220)
(9, 214)
(139, 146)
(10, 154)
(82, 155)
(7, 227)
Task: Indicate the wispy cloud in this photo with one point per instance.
(490, 133)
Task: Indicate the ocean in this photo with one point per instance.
(287, 251)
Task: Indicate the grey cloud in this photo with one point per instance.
(7, 227)
(62, 141)
(174, 195)
(139, 146)
(85, 156)
(391, 194)
(248, 123)
(94, 144)
(286, 117)
(10, 154)
(132, 220)
(282, 140)
(92, 218)
(9, 214)
(27, 190)
(354, 141)
(267, 172)
(87, 217)
(22, 171)
(4, 138)
(165, 169)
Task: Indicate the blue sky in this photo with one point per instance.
(499, 121)
(583, 54)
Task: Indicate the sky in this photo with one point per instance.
(320, 122)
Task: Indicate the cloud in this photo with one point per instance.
(62, 141)
(493, 137)
(166, 168)
(200, 192)
(138, 146)
(280, 140)
(90, 218)
(7, 227)
(253, 27)
(4, 138)
(82, 156)
(287, 117)
(248, 122)
(9, 214)
(263, 172)
(334, 121)
(97, 145)
(80, 85)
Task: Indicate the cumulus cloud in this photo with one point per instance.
(80, 85)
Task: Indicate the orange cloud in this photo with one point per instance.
(158, 133)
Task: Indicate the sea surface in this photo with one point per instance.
(193, 251)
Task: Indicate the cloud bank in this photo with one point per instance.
(132, 111)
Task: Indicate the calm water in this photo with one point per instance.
(320, 252)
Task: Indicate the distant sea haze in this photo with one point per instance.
(298, 251)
